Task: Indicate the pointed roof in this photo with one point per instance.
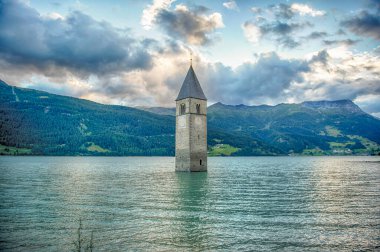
(191, 87)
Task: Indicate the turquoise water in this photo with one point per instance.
(140, 203)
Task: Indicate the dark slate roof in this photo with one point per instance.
(191, 87)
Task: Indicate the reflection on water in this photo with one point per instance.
(190, 203)
(250, 203)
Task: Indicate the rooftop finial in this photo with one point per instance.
(191, 58)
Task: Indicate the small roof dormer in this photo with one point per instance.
(191, 87)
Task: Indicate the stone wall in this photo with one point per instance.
(191, 136)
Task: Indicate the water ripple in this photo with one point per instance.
(248, 203)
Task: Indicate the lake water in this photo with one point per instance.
(140, 203)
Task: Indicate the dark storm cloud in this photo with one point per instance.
(269, 77)
(282, 28)
(284, 23)
(374, 4)
(78, 42)
(347, 42)
(116, 88)
(365, 24)
(190, 25)
(341, 32)
(316, 35)
(344, 78)
(283, 32)
(282, 11)
(349, 89)
(174, 47)
(321, 57)
(288, 42)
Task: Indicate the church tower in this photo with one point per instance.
(191, 126)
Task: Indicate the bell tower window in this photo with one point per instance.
(198, 107)
(182, 109)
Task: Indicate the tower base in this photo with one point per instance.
(196, 165)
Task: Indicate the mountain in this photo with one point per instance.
(35, 122)
(322, 127)
(158, 110)
(40, 123)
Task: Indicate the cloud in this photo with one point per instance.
(55, 15)
(281, 10)
(77, 43)
(288, 42)
(280, 23)
(321, 57)
(370, 103)
(193, 26)
(316, 35)
(374, 5)
(341, 32)
(231, 5)
(251, 32)
(337, 73)
(285, 11)
(256, 10)
(268, 77)
(376, 51)
(62, 57)
(330, 74)
(304, 9)
(347, 42)
(265, 80)
(152, 10)
(281, 31)
(365, 24)
(282, 28)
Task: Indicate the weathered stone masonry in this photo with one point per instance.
(191, 126)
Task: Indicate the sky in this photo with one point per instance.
(137, 53)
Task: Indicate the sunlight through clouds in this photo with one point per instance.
(251, 32)
(304, 9)
(151, 11)
(261, 52)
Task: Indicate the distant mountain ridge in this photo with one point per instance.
(40, 123)
(324, 104)
(339, 104)
(158, 110)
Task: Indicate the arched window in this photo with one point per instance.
(183, 109)
(200, 162)
(198, 106)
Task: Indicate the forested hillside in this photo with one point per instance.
(45, 124)
(309, 128)
(40, 123)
